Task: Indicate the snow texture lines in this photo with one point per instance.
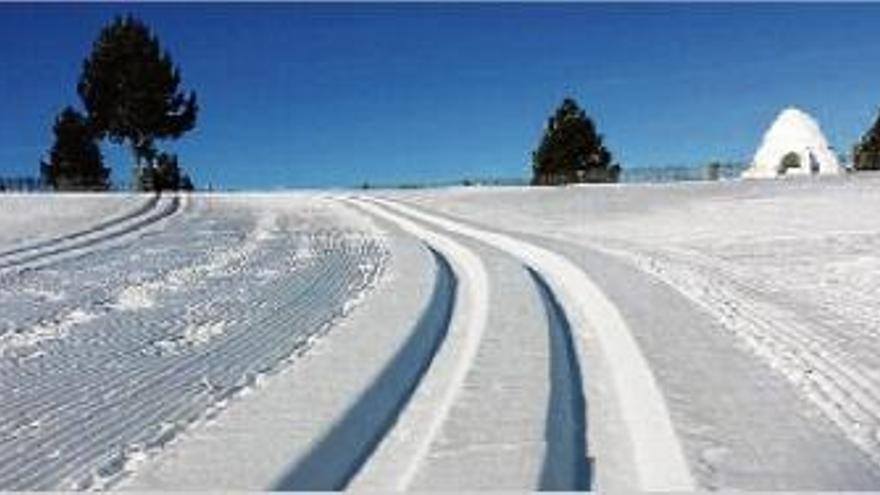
(229, 301)
(657, 453)
(813, 354)
(45, 252)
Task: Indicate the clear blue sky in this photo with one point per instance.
(335, 94)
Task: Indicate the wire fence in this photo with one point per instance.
(22, 184)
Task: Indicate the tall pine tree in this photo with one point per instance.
(571, 151)
(75, 161)
(130, 89)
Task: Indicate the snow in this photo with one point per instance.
(27, 218)
(262, 436)
(793, 131)
(783, 299)
(657, 456)
(616, 337)
(148, 329)
(402, 453)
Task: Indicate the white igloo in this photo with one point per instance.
(794, 145)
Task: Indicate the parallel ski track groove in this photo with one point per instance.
(565, 466)
(139, 222)
(657, 453)
(140, 210)
(348, 451)
(428, 411)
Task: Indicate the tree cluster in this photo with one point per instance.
(129, 88)
(571, 150)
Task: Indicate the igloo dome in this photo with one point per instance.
(794, 145)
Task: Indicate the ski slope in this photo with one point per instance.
(772, 304)
(654, 337)
(29, 218)
(108, 353)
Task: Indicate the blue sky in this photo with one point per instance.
(314, 95)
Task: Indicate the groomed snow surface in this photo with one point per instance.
(717, 335)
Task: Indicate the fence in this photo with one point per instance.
(22, 184)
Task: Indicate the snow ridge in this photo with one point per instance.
(342, 452)
(398, 457)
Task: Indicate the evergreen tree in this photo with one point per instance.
(186, 183)
(75, 161)
(571, 151)
(165, 176)
(167, 172)
(130, 89)
(866, 155)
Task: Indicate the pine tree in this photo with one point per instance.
(866, 155)
(130, 89)
(167, 175)
(186, 184)
(75, 161)
(167, 172)
(571, 151)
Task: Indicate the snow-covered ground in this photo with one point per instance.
(778, 277)
(28, 218)
(711, 335)
(107, 354)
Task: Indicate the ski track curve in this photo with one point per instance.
(141, 209)
(77, 244)
(340, 454)
(399, 455)
(122, 383)
(657, 455)
(566, 465)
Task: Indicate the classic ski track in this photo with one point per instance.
(154, 404)
(90, 242)
(845, 395)
(566, 392)
(657, 455)
(566, 423)
(141, 209)
(348, 445)
(400, 454)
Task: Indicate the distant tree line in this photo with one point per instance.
(129, 88)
